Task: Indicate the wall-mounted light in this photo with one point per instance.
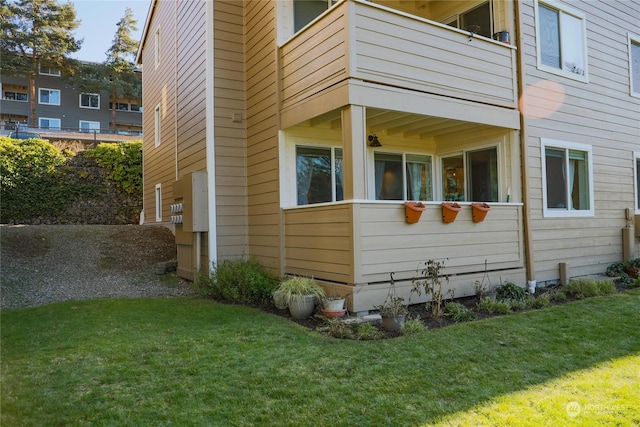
(373, 141)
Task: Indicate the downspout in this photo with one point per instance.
(528, 240)
(210, 142)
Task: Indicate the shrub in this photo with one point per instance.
(493, 307)
(124, 161)
(541, 301)
(510, 292)
(458, 312)
(619, 269)
(240, 281)
(31, 183)
(413, 327)
(336, 328)
(588, 287)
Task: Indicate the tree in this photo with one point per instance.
(36, 33)
(124, 79)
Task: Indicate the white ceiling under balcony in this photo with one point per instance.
(401, 124)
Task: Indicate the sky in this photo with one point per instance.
(99, 19)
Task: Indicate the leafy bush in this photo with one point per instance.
(124, 161)
(31, 183)
(458, 312)
(241, 281)
(510, 292)
(493, 307)
(619, 269)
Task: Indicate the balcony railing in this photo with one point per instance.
(364, 41)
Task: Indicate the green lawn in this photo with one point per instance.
(194, 362)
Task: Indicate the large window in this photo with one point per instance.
(49, 71)
(476, 20)
(471, 176)
(89, 100)
(400, 176)
(567, 179)
(49, 96)
(305, 11)
(318, 174)
(634, 64)
(89, 126)
(561, 38)
(47, 123)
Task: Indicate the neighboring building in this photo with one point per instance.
(276, 108)
(61, 109)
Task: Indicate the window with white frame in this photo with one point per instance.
(90, 100)
(158, 202)
(157, 48)
(401, 176)
(634, 64)
(561, 40)
(477, 20)
(318, 174)
(636, 171)
(296, 14)
(567, 179)
(49, 96)
(471, 176)
(89, 126)
(157, 117)
(49, 71)
(47, 123)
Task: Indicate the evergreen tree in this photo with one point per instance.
(124, 80)
(36, 33)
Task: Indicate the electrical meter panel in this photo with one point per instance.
(191, 207)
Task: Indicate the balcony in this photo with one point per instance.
(367, 44)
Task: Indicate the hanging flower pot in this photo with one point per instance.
(450, 211)
(412, 211)
(480, 210)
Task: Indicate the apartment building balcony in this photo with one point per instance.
(361, 53)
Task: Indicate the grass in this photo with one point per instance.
(194, 362)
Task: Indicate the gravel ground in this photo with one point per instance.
(52, 263)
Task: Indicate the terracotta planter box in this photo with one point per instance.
(413, 211)
(480, 210)
(450, 211)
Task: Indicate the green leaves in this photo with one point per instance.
(124, 160)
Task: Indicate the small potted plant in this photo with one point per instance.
(393, 312)
(333, 306)
(299, 294)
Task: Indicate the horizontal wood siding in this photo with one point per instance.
(319, 242)
(159, 89)
(388, 244)
(191, 86)
(397, 50)
(315, 59)
(600, 113)
(264, 217)
(363, 41)
(230, 135)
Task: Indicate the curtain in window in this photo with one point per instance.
(578, 180)
(572, 44)
(388, 176)
(414, 180)
(635, 66)
(556, 178)
(304, 173)
(338, 174)
(549, 36)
